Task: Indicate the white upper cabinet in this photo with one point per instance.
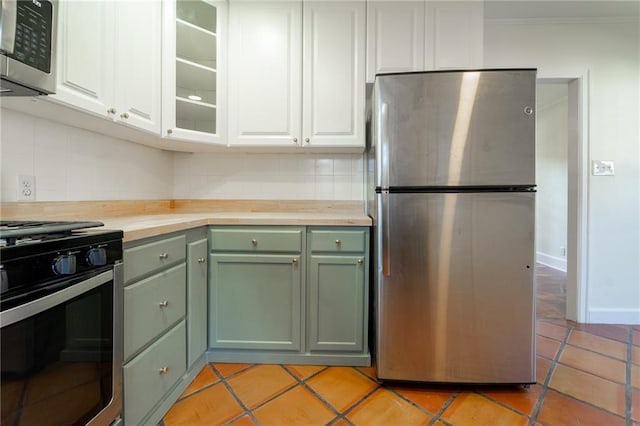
(395, 37)
(405, 36)
(109, 60)
(193, 82)
(333, 96)
(296, 73)
(265, 71)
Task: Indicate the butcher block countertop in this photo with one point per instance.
(143, 219)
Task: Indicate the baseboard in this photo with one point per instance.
(554, 262)
(613, 316)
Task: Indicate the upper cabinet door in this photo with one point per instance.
(265, 73)
(454, 34)
(86, 55)
(193, 64)
(333, 110)
(137, 82)
(395, 37)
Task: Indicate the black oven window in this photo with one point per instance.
(56, 365)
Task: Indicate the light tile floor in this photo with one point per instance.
(586, 375)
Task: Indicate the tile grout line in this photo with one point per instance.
(444, 407)
(547, 379)
(246, 410)
(627, 389)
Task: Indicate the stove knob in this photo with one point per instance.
(96, 257)
(64, 265)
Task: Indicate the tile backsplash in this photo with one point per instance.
(71, 164)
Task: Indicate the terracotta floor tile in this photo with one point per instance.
(635, 376)
(227, 369)
(589, 388)
(341, 422)
(213, 405)
(542, 369)
(386, 408)
(297, 406)
(560, 410)
(242, 421)
(429, 398)
(474, 409)
(635, 405)
(522, 400)
(635, 355)
(546, 347)
(598, 344)
(610, 331)
(341, 386)
(594, 363)
(260, 383)
(304, 371)
(553, 331)
(369, 371)
(204, 378)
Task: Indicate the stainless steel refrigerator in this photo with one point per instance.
(451, 184)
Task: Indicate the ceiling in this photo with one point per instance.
(559, 9)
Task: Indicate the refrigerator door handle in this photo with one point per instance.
(383, 145)
(386, 235)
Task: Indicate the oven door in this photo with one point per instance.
(62, 355)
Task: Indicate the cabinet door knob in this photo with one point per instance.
(163, 304)
(201, 260)
(307, 140)
(164, 256)
(163, 370)
(125, 115)
(360, 261)
(338, 242)
(295, 140)
(295, 261)
(111, 110)
(169, 131)
(254, 242)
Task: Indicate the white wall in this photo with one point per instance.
(551, 174)
(610, 51)
(269, 176)
(72, 164)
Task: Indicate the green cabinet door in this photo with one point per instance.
(196, 300)
(255, 301)
(337, 312)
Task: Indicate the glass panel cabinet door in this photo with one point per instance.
(192, 83)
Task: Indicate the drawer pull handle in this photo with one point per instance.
(164, 256)
(163, 304)
(163, 370)
(295, 261)
(338, 242)
(201, 260)
(360, 262)
(254, 242)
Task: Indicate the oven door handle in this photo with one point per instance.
(13, 315)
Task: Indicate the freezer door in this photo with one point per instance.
(454, 287)
(455, 128)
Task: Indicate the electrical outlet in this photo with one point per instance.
(26, 188)
(603, 168)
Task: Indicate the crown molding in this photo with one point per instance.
(567, 20)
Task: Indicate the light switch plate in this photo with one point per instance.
(602, 168)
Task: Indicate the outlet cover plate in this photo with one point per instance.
(26, 189)
(602, 168)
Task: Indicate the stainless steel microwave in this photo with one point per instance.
(28, 49)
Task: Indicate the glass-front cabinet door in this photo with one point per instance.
(193, 76)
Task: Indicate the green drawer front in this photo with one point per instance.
(145, 317)
(147, 258)
(337, 241)
(144, 383)
(256, 239)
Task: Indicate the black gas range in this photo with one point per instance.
(61, 316)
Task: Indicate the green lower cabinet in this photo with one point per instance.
(336, 295)
(196, 300)
(255, 301)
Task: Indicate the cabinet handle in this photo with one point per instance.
(254, 242)
(307, 140)
(111, 110)
(295, 261)
(360, 261)
(164, 256)
(338, 242)
(295, 140)
(163, 304)
(125, 115)
(201, 260)
(163, 370)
